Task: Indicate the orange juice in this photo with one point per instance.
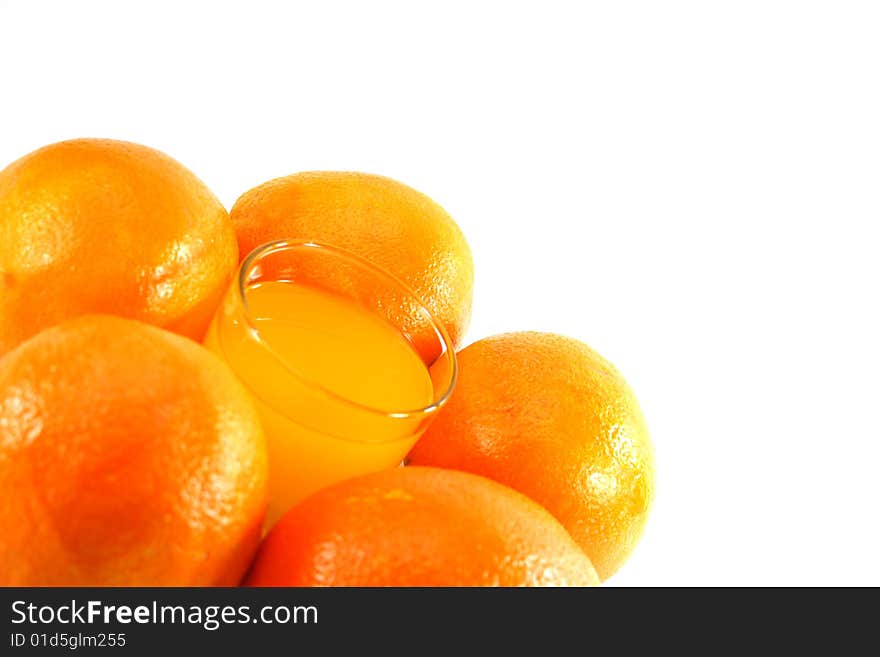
(341, 390)
(339, 346)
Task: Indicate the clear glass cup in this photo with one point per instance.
(318, 433)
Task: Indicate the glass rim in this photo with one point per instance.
(247, 266)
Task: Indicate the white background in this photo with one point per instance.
(692, 188)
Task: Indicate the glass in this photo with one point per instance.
(327, 344)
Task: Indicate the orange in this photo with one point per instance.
(102, 226)
(419, 527)
(550, 417)
(128, 456)
(384, 221)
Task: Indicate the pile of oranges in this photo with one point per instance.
(131, 455)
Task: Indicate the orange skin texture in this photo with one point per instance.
(383, 221)
(129, 456)
(550, 417)
(104, 226)
(419, 527)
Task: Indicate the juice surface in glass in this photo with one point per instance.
(339, 346)
(341, 390)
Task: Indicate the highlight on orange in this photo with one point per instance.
(347, 368)
(129, 456)
(419, 527)
(105, 226)
(382, 220)
(550, 417)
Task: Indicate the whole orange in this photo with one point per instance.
(128, 456)
(103, 226)
(419, 527)
(550, 417)
(384, 221)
